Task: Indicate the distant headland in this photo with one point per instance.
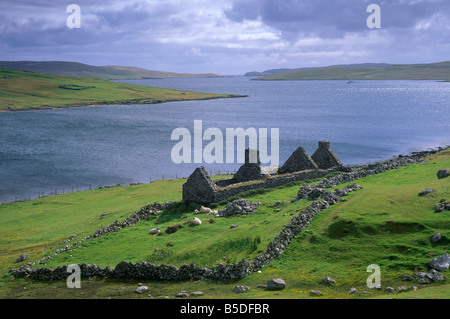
(367, 71)
(109, 72)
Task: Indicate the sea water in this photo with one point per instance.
(70, 149)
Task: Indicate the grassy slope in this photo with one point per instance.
(434, 71)
(208, 245)
(144, 73)
(386, 223)
(24, 90)
(39, 225)
(64, 68)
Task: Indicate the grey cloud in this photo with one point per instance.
(170, 35)
(43, 23)
(132, 15)
(333, 18)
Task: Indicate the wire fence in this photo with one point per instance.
(79, 188)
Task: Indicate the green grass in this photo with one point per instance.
(386, 223)
(206, 245)
(25, 90)
(431, 292)
(433, 71)
(37, 226)
(110, 72)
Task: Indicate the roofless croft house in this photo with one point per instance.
(200, 188)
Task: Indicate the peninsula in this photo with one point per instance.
(109, 72)
(432, 71)
(22, 90)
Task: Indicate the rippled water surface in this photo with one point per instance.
(80, 148)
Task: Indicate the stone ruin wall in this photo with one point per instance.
(200, 188)
(276, 247)
(221, 193)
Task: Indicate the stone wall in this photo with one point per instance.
(248, 172)
(298, 161)
(200, 188)
(269, 182)
(324, 157)
(149, 271)
(143, 270)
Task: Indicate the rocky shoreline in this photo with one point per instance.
(143, 270)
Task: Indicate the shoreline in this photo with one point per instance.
(414, 153)
(239, 270)
(126, 102)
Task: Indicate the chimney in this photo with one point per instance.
(323, 144)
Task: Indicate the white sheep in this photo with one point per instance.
(214, 212)
(154, 231)
(196, 221)
(205, 209)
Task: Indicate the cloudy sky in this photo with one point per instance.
(225, 37)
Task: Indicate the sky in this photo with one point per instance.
(225, 37)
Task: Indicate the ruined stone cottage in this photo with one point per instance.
(324, 157)
(298, 161)
(200, 188)
(251, 169)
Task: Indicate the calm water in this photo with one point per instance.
(82, 148)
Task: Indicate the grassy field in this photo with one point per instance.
(386, 223)
(433, 71)
(110, 72)
(21, 90)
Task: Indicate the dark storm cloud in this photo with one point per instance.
(334, 18)
(43, 23)
(225, 36)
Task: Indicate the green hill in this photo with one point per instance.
(284, 70)
(433, 71)
(20, 90)
(385, 223)
(63, 68)
(150, 74)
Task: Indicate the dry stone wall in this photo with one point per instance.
(298, 161)
(299, 166)
(324, 157)
(204, 194)
(143, 270)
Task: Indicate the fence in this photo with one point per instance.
(79, 188)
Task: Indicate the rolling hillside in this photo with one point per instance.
(20, 90)
(63, 68)
(385, 223)
(277, 71)
(433, 71)
(150, 74)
